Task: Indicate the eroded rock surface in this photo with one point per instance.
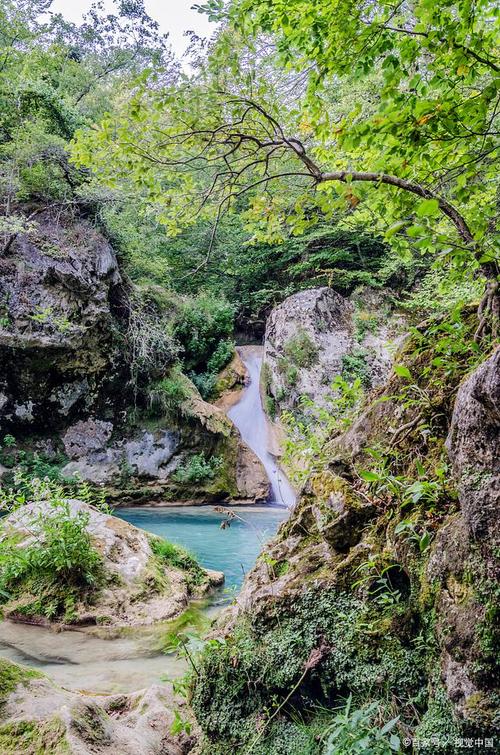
(317, 334)
(69, 388)
(58, 291)
(306, 337)
(474, 448)
(38, 716)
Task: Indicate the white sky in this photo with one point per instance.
(174, 17)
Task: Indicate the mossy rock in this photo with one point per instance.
(11, 676)
(34, 738)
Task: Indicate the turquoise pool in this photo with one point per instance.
(232, 550)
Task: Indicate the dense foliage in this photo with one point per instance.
(392, 124)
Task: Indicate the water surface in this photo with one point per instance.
(232, 549)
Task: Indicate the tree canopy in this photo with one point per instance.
(382, 112)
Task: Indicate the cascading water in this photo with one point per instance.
(249, 417)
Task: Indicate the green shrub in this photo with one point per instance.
(197, 469)
(364, 322)
(166, 397)
(308, 429)
(301, 350)
(221, 356)
(58, 569)
(176, 556)
(354, 365)
(289, 371)
(28, 464)
(205, 382)
(201, 325)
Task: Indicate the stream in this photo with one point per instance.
(111, 661)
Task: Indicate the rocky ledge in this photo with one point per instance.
(140, 583)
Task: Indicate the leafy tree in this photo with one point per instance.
(55, 77)
(411, 151)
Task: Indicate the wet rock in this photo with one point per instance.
(251, 477)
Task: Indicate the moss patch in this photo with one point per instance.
(350, 649)
(11, 676)
(34, 738)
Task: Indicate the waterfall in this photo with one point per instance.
(249, 417)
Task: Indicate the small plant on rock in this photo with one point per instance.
(355, 731)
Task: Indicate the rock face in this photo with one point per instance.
(465, 555)
(367, 590)
(146, 455)
(66, 391)
(317, 334)
(139, 588)
(140, 466)
(58, 291)
(474, 448)
(38, 716)
(306, 337)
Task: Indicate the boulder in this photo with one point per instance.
(139, 589)
(251, 477)
(306, 337)
(146, 454)
(317, 334)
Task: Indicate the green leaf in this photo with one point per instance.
(402, 371)
(414, 231)
(424, 542)
(394, 229)
(369, 476)
(389, 725)
(428, 208)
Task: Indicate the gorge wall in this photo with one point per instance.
(80, 362)
(380, 587)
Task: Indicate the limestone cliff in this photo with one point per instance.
(317, 334)
(75, 387)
